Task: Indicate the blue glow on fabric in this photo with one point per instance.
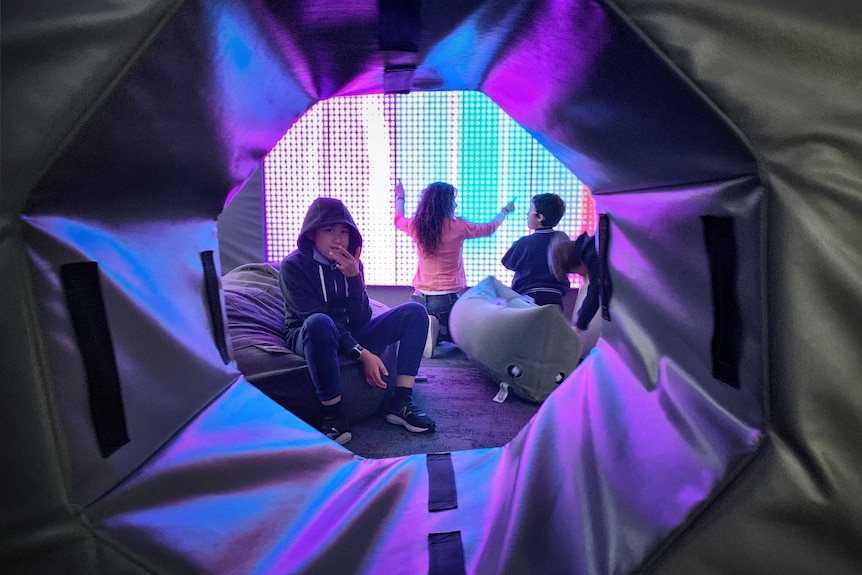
(244, 67)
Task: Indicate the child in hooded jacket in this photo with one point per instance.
(580, 257)
(328, 313)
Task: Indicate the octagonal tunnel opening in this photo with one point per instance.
(354, 148)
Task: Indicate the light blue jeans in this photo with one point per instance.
(439, 306)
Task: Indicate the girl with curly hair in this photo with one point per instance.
(439, 237)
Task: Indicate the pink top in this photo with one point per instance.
(444, 271)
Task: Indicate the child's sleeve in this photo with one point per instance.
(359, 306)
(300, 298)
(590, 306)
(401, 222)
(509, 259)
(473, 230)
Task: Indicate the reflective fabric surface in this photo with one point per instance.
(125, 128)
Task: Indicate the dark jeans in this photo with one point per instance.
(547, 298)
(439, 306)
(317, 342)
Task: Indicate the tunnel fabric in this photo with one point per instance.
(123, 153)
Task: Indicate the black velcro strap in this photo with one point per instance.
(398, 25)
(211, 283)
(721, 251)
(604, 273)
(442, 494)
(89, 320)
(446, 554)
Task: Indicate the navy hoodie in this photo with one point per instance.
(310, 286)
(528, 258)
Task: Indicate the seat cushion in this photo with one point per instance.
(531, 348)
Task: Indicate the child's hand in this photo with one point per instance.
(399, 190)
(344, 261)
(374, 369)
(510, 207)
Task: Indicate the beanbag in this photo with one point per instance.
(529, 348)
(255, 312)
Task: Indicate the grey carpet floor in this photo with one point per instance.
(459, 397)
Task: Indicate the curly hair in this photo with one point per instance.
(436, 206)
(564, 256)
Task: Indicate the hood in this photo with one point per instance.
(325, 212)
(584, 245)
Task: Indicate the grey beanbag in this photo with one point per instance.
(530, 348)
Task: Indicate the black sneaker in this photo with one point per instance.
(408, 414)
(337, 431)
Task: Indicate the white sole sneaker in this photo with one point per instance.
(343, 438)
(431, 341)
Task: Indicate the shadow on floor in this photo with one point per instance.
(459, 397)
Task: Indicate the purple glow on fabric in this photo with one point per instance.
(525, 81)
(126, 259)
(274, 492)
(610, 442)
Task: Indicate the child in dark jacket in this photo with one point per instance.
(327, 313)
(528, 257)
(580, 257)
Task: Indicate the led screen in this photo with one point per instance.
(353, 148)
